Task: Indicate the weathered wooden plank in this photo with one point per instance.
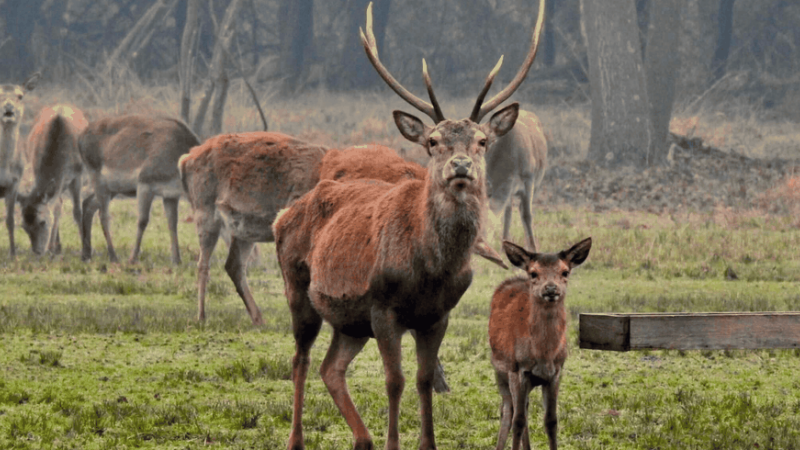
(690, 331)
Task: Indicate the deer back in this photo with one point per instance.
(369, 162)
(145, 148)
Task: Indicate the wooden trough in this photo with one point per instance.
(689, 331)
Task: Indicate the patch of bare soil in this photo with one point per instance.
(697, 177)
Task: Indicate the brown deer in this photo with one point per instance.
(133, 155)
(515, 166)
(528, 336)
(242, 181)
(375, 260)
(12, 108)
(55, 161)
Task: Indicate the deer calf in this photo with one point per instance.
(528, 336)
(55, 161)
(133, 155)
(12, 109)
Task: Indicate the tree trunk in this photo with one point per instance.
(356, 71)
(662, 68)
(643, 20)
(549, 38)
(186, 64)
(724, 30)
(141, 32)
(296, 31)
(20, 19)
(621, 125)
(218, 84)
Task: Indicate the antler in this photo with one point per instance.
(481, 110)
(433, 111)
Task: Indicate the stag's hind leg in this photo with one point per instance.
(236, 266)
(306, 323)
(341, 352)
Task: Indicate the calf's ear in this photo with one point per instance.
(578, 253)
(516, 254)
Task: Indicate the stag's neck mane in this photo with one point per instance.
(452, 225)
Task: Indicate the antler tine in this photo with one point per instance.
(489, 79)
(503, 95)
(436, 108)
(370, 46)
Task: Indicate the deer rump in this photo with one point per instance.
(360, 251)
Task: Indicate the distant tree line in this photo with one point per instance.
(308, 43)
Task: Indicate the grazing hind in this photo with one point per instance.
(375, 260)
(55, 161)
(134, 156)
(528, 336)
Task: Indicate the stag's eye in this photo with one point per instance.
(533, 275)
(432, 142)
(482, 142)
(565, 273)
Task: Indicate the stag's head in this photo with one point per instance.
(548, 273)
(11, 106)
(457, 147)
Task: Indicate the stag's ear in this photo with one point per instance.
(578, 253)
(503, 121)
(410, 127)
(32, 81)
(516, 254)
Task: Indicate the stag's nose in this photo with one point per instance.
(461, 166)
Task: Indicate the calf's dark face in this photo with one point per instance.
(36, 223)
(548, 273)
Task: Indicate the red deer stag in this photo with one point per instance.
(12, 109)
(55, 161)
(528, 336)
(133, 155)
(515, 166)
(376, 259)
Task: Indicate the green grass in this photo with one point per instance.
(104, 355)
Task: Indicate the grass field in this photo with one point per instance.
(102, 355)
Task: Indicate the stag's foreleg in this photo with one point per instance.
(388, 334)
(306, 323)
(144, 200)
(341, 352)
(236, 266)
(11, 199)
(439, 381)
(428, 343)
(171, 211)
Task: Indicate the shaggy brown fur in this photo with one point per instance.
(12, 109)
(528, 336)
(375, 260)
(133, 155)
(55, 161)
